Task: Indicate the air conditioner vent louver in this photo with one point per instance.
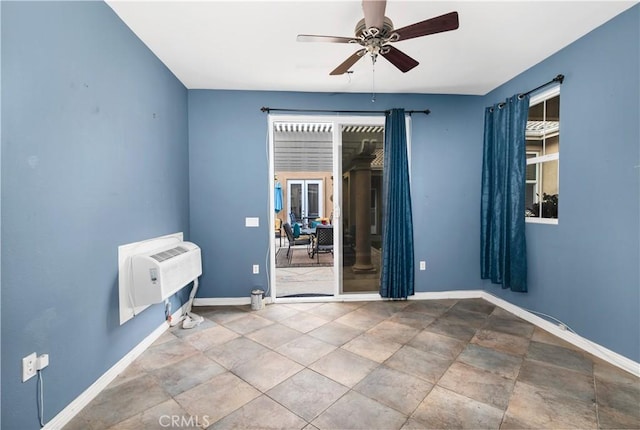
(169, 253)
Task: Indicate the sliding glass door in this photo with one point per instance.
(361, 154)
(302, 157)
(332, 168)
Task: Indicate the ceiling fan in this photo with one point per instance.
(375, 33)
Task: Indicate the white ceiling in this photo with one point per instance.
(251, 45)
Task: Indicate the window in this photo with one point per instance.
(543, 157)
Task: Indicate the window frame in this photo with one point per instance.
(535, 182)
(539, 160)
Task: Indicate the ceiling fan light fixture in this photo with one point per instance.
(373, 39)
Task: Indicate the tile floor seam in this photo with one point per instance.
(513, 386)
(287, 408)
(515, 380)
(257, 388)
(323, 410)
(307, 422)
(464, 395)
(504, 415)
(456, 393)
(379, 402)
(409, 416)
(595, 399)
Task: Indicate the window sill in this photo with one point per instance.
(536, 220)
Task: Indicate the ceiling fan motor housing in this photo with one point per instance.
(374, 38)
(362, 30)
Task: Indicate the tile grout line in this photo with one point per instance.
(595, 399)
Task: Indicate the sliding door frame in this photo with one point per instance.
(337, 122)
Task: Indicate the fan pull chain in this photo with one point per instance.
(373, 80)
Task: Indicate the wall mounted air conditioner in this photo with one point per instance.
(158, 274)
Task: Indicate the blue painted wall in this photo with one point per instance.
(585, 270)
(94, 155)
(229, 181)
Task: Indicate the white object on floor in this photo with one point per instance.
(189, 319)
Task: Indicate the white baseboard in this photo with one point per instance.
(586, 345)
(73, 408)
(454, 294)
(222, 301)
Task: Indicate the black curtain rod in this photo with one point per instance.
(559, 78)
(268, 110)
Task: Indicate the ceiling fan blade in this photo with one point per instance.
(331, 39)
(446, 22)
(346, 65)
(374, 13)
(399, 59)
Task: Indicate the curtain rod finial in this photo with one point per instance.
(264, 109)
(559, 78)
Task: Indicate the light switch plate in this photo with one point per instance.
(252, 221)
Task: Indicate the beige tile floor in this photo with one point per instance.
(365, 365)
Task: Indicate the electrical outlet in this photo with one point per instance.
(256, 269)
(29, 367)
(423, 265)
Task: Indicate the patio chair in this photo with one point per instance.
(323, 241)
(302, 240)
(278, 230)
(294, 218)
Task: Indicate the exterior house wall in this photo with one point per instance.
(327, 191)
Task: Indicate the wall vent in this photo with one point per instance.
(169, 253)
